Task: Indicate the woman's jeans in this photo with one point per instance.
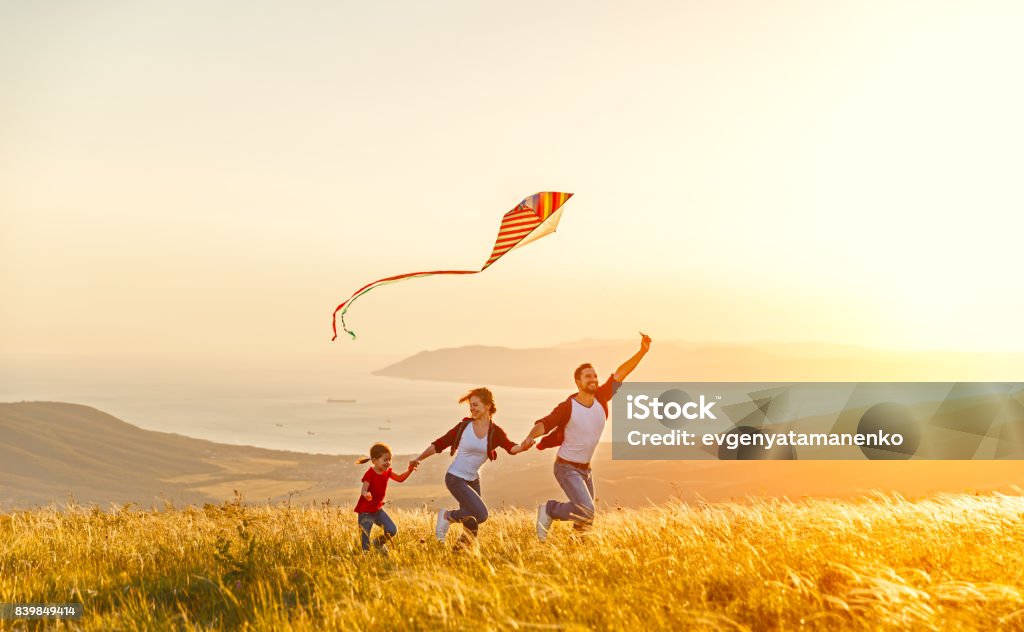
(578, 484)
(366, 522)
(471, 512)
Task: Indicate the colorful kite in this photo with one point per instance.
(533, 218)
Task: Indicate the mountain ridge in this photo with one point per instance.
(552, 367)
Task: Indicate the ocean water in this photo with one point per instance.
(269, 407)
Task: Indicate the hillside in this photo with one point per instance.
(52, 450)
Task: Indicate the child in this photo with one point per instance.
(371, 499)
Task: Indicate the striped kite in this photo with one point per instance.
(533, 218)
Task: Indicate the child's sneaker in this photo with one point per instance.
(441, 527)
(543, 522)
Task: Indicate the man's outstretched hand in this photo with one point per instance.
(645, 342)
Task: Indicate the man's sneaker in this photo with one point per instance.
(543, 522)
(441, 527)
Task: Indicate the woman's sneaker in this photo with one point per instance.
(543, 522)
(466, 544)
(441, 527)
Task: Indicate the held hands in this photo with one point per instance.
(413, 464)
(526, 445)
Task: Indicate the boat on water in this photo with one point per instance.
(341, 401)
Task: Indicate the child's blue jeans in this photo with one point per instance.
(366, 522)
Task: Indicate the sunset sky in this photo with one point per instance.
(215, 178)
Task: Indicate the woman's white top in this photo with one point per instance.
(472, 453)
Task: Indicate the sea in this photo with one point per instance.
(263, 405)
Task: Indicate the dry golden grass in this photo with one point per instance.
(948, 562)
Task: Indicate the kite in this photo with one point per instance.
(535, 217)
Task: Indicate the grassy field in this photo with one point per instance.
(948, 562)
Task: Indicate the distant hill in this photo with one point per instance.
(50, 451)
(551, 367)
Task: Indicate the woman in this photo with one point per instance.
(473, 441)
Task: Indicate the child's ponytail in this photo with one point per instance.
(376, 451)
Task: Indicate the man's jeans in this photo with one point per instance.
(578, 485)
(472, 511)
(366, 522)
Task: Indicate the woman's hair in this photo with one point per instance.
(484, 395)
(376, 451)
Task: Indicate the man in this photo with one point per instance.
(575, 425)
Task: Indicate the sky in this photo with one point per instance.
(214, 178)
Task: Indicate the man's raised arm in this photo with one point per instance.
(627, 367)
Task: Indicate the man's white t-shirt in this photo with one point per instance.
(471, 455)
(583, 432)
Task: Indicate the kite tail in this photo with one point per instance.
(370, 286)
(334, 322)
